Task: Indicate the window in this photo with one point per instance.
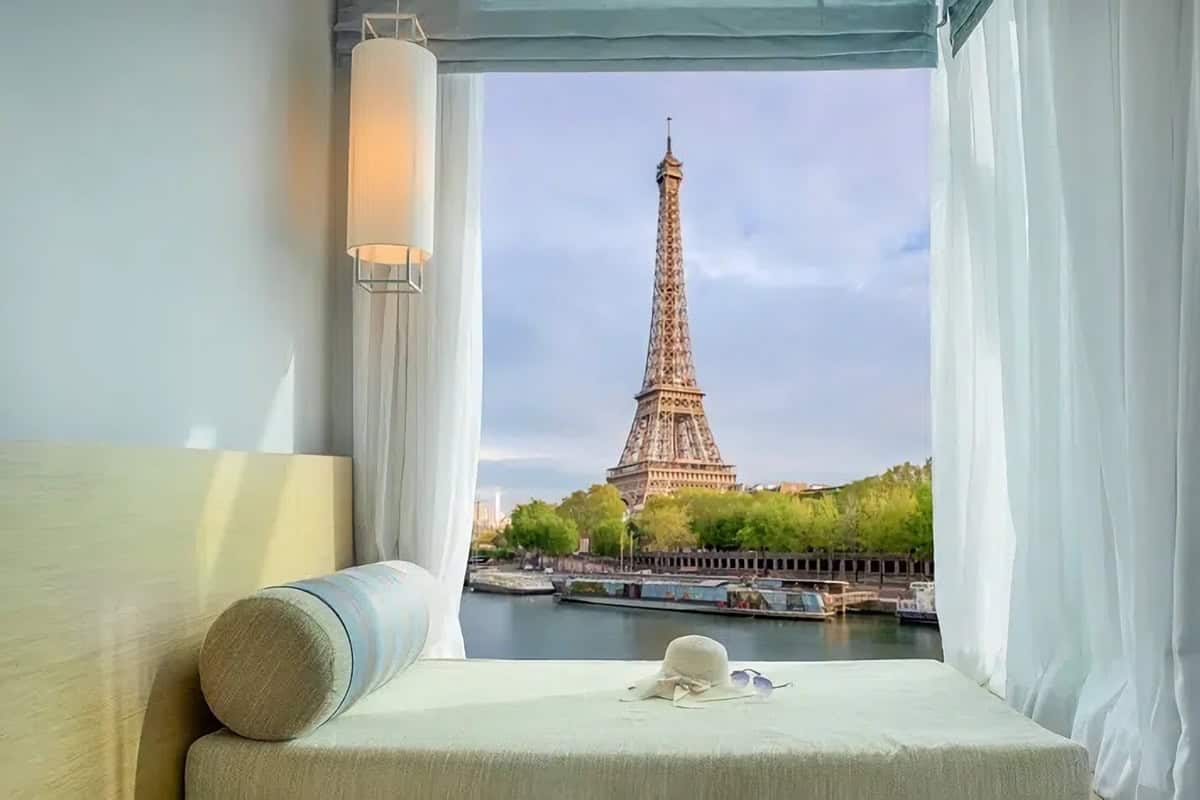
(787, 236)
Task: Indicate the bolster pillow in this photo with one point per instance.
(282, 662)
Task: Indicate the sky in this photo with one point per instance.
(805, 213)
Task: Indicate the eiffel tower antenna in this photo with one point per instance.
(670, 445)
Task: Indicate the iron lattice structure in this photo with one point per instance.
(670, 444)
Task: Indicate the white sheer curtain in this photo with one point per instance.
(1066, 335)
(418, 374)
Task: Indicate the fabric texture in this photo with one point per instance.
(280, 663)
(418, 375)
(1066, 376)
(567, 35)
(902, 730)
(275, 665)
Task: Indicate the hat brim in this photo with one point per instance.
(657, 686)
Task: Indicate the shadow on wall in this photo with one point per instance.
(175, 713)
(138, 550)
(233, 554)
(252, 529)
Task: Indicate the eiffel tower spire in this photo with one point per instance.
(670, 445)
(669, 354)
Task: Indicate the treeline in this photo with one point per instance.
(888, 513)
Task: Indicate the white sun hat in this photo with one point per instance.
(695, 671)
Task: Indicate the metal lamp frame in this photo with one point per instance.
(403, 278)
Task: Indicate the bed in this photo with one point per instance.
(533, 729)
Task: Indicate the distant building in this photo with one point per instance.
(790, 487)
(488, 516)
(483, 515)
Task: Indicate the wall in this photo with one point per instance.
(342, 370)
(167, 260)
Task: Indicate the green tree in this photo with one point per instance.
(663, 524)
(821, 524)
(536, 527)
(857, 506)
(716, 517)
(601, 504)
(773, 522)
(886, 510)
(920, 523)
(611, 538)
(887, 513)
(885, 518)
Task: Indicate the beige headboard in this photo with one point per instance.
(113, 562)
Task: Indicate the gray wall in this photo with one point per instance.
(169, 266)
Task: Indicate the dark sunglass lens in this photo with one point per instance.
(739, 678)
(762, 685)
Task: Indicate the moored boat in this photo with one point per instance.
(710, 596)
(921, 608)
(497, 582)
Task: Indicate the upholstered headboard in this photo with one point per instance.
(113, 562)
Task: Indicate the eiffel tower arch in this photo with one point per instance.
(670, 444)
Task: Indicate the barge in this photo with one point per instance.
(762, 598)
(496, 582)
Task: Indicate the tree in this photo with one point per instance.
(887, 513)
(611, 538)
(601, 504)
(485, 537)
(535, 526)
(886, 509)
(716, 517)
(820, 524)
(772, 523)
(663, 524)
(920, 523)
(884, 519)
(503, 539)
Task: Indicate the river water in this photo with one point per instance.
(503, 626)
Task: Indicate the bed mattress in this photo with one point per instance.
(556, 729)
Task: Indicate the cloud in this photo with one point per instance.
(805, 234)
(521, 479)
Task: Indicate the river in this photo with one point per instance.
(503, 626)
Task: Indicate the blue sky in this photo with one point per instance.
(805, 210)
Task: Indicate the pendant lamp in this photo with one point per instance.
(393, 130)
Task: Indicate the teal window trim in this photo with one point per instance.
(963, 17)
(651, 35)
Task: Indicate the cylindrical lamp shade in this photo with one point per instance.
(393, 130)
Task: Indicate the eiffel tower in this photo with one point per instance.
(670, 444)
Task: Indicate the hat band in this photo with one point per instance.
(688, 684)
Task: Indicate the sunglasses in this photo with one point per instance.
(752, 677)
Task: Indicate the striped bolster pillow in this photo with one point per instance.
(282, 662)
